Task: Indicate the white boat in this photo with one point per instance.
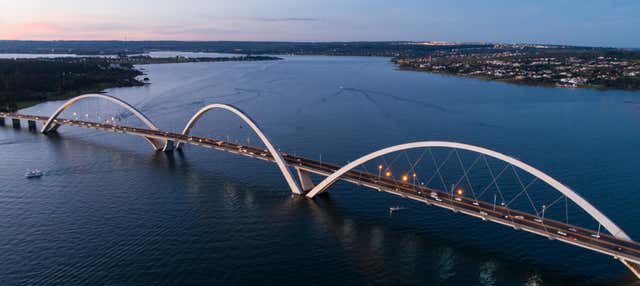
(31, 174)
(396, 208)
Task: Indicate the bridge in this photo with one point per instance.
(608, 238)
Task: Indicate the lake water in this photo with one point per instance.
(109, 211)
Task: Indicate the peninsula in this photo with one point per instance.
(601, 69)
(26, 82)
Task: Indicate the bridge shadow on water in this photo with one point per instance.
(375, 243)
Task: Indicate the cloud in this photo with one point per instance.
(107, 30)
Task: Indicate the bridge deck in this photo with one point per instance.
(627, 251)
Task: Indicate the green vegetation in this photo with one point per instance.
(24, 82)
(147, 60)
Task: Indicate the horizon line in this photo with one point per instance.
(328, 42)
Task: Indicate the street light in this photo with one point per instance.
(388, 174)
(405, 178)
(495, 197)
(414, 181)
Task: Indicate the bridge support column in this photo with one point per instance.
(1, 121)
(168, 146)
(51, 129)
(32, 125)
(15, 122)
(305, 180)
(635, 268)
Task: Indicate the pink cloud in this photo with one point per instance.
(28, 29)
(80, 30)
(110, 27)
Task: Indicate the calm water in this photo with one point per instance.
(110, 211)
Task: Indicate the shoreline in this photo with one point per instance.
(515, 82)
(73, 93)
(133, 80)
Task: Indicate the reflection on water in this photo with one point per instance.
(534, 280)
(446, 264)
(487, 273)
(109, 211)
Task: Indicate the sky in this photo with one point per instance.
(608, 23)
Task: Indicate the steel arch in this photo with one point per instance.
(276, 155)
(50, 122)
(573, 196)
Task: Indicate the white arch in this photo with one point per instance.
(50, 122)
(573, 196)
(276, 155)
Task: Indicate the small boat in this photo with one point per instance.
(32, 174)
(395, 209)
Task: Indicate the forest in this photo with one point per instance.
(24, 82)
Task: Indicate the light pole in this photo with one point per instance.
(379, 172)
(451, 198)
(414, 180)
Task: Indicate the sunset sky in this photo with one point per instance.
(596, 23)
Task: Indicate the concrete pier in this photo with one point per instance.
(305, 180)
(32, 125)
(16, 123)
(169, 146)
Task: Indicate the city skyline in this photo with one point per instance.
(588, 23)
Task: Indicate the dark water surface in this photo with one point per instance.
(109, 211)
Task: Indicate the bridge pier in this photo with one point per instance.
(1, 121)
(305, 180)
(51, 129)
(635, 268)
(32, 125)
(168, 146)
(15, 122)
